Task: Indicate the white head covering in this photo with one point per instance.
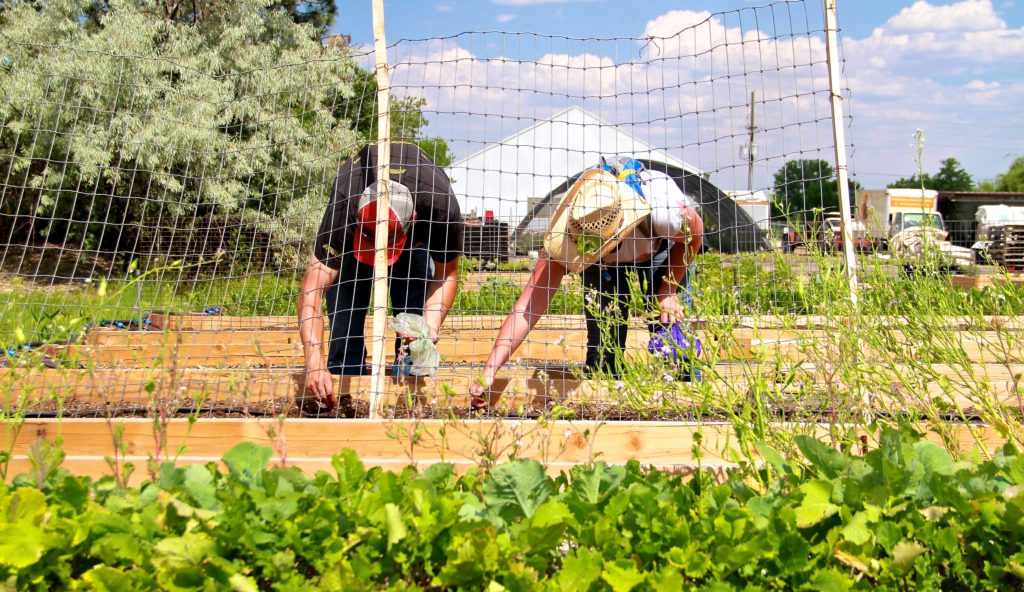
(666, 201)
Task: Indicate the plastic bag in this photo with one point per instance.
(425, 358)
(424, 354)
(410, 325)
(674, 343)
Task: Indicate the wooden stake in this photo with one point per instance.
(839, 137)
(380, 263)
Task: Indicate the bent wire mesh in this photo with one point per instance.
(161, 209)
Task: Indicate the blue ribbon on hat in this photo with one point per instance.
(627, 171)
(630, 174)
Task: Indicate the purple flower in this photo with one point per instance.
(674, 343)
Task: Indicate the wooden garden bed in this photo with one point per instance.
(799, 386)
(310, 444)
(977, 282)
(252, 367)
(493, 322)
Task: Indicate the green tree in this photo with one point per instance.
(437, 149)
(912, 182)
(317, 13)
(143, 121)
(407, 118)
(1013, 178)
(802, 186)
(951, 177)
(360, 108)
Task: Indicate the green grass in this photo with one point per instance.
(747, 284)
(53, 314)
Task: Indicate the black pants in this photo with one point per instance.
(607, 287)
(349, 300)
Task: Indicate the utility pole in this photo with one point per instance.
(751, 148)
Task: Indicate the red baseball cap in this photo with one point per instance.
(400, 217)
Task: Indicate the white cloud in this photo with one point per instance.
(505, 18)
(443, 8)
(952, 70)
(968, 15)
(687, 91)
(684, 85)
(671, 23)
(982, 85)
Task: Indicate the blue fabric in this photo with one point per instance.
(674, 343)
(631, 168)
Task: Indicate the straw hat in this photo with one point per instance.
(592, 218)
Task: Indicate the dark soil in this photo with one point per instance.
(347, 408)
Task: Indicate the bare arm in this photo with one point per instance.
(441, 294)
(682, 253)
(531, 304)
(311, 328)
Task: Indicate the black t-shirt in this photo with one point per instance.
(438, 225)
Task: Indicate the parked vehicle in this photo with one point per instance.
(834, 234)
(888, 212)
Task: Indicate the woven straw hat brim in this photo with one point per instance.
(558, 241)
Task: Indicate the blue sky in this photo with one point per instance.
(436, 18)
(949, 67)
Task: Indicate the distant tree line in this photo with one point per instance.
(1011, 180)
(807, 187)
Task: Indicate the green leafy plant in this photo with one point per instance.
(588, 243)
(902, 515)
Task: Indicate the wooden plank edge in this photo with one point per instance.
(562, 441)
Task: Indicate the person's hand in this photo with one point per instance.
(671, 309)
(478, 397)
(407, 339)
(320, 384)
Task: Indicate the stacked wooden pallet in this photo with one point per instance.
(1007, 246)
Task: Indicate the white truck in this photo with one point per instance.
(887, 212)
(908, 222)
(833, 231)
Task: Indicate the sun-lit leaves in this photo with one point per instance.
(902, 516)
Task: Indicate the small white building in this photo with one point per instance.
(504, 177)
(756, 204)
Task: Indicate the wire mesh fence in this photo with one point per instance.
(163, 211)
